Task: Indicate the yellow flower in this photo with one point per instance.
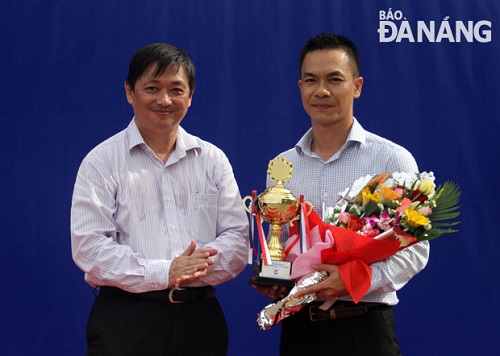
(415, 219)
(366, 196)
(426, 187)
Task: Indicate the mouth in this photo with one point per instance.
(321, 106)
(162, 111)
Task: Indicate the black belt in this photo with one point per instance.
(181, 295)
(339, 310)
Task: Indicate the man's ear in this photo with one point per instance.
(358, 85)
(129, 92)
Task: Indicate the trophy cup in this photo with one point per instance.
(277, 206)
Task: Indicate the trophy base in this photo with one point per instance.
(267, 275)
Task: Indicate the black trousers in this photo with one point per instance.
(372, 334)
(127, 325)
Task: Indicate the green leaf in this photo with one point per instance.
(372, 208)
(447, 197)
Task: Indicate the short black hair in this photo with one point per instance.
(331, 41)
(166, 57)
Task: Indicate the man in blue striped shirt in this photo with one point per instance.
(327, 160)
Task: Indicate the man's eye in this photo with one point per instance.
(151, 89)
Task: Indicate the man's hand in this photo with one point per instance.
(191, 265)
(331, 287)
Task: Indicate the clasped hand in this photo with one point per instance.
(191, 265)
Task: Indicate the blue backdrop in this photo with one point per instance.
(431, 84)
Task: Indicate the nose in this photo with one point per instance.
(164, 99)
(322, 91)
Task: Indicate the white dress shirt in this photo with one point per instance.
(132, 214)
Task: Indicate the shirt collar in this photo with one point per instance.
(184, 142)
(356, 134)
(134, 136)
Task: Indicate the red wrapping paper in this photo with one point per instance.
(354, 253)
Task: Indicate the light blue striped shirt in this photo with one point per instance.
(132, 214)
(321, 182)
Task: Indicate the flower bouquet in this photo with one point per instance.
(374, 219)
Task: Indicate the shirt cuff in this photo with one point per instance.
(156, 274)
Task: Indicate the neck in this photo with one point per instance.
(329, 139)
(162, 144)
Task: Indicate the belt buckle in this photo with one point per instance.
(317, 314)
(312, 313)
(171, 296)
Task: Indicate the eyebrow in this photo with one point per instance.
(331, 74)
(175, 82)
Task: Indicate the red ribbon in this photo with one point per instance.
(353, 253)
(263, 244)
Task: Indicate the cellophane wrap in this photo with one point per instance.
(273, 313)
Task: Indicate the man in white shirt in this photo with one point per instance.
(157, 221)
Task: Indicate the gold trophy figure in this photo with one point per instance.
(277, 206)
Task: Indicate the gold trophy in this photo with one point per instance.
(277, 206)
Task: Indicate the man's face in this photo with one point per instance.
(160, 103)
(328, 86)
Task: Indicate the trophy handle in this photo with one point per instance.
(308, 212)
(248, 205)
(308, 203)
